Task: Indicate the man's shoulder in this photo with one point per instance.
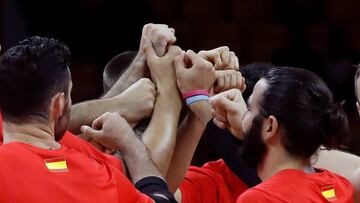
(256, 196)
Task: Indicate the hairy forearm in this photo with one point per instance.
(160, 136)
(138, 161)
(133, 73)
(189, 134)
(84, 113)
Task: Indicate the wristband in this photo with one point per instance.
(196, 98)
(192, 93)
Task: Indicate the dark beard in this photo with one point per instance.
(253, 147)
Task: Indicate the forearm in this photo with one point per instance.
(189, 134)
(86, 112)
(133, 73)
(202, 110)
(138, 161)
(160, 136)
(329, 159)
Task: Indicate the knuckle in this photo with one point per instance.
(145, 81)
(162, 37)
(225, 48)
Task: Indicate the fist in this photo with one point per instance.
(201, 74)
(162, 68)
(222, 58)
(228, 110)
(228, 79)
(111, 131)
(160, 35)
(137, 102)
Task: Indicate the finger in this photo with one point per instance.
(97, 123)
(226, 101)
(243, 85)
(232, 59)
(219, 116)
(243, 88)
(227, 82)
(147, 29)
(239, 81)
(219, 124)
(93, 134)
(230, 94)
(172, 39)
(217, 61)
(174, 51)
(160, 47)
(220, 81)
(225, 58)
(109, 151)
(222, 49)
(211, 56)
(172, 30)
(194, 58)
(233, 79)
(179, 63)
(217, 104)
(149, 50)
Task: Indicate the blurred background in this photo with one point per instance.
(319, 35)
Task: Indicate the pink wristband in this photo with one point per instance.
(192, 93)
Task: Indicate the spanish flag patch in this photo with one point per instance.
(56, 164)
(329, 193)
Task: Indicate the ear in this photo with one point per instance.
(270, 128)
(57, 105)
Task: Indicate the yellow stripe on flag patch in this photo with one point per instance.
(329, 193)
(56, 164)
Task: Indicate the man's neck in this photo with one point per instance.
(276, 160)
(35, 134)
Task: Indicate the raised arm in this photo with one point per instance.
(161, 36)
(191, 129)
(113, 132)
(200, 76)
(160, 135)
(123, 95)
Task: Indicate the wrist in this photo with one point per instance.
(202, 110)
(119, 103)
(130, 146)
(170, 96)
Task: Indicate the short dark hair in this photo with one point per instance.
(252, 73)
(357, 75)
(116, 67)
(304, 106)
(31, 73)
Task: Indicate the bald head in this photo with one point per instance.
(116, 67)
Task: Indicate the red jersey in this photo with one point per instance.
(212, 183)
(1, 130)
(31, 174)
(296, 186)
(72, 141)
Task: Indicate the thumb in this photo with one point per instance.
(179, 62)
(86, 130)
(149, 50)
(222, 104)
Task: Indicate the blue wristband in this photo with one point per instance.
(196, 98)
